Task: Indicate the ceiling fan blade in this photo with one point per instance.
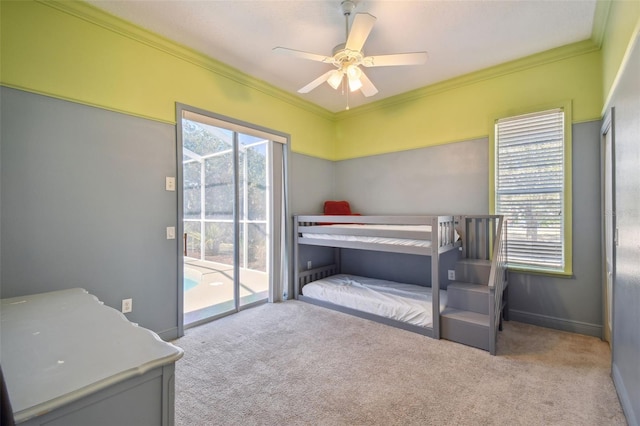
(303, 55)
(360, 29)
(367, 89)
(317, 82)
(416, 58)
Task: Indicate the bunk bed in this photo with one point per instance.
(468, 309)
(411, 307)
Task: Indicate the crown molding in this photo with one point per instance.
(600, 18)
(535, 60)
(635, 39)
(124, 28)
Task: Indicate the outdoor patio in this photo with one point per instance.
(208, 288)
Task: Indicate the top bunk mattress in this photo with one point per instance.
(346, 234)
(402, 302)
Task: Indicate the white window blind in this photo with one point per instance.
(530, 186)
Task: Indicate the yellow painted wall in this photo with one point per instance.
(622, 23)
(466, 110)
(75, 52)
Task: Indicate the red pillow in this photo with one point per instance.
(337, 208)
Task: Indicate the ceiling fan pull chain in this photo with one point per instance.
(347, 100)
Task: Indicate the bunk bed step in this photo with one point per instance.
(468, 328)
(473, 271)
(468, 297)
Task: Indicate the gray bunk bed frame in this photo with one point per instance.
(442, 236)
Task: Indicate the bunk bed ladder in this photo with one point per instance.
(477, 299)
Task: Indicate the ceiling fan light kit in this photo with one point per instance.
(335, 79)
(353, 74)
(347, 57)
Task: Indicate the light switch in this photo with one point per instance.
(170, 183)
(171, 232)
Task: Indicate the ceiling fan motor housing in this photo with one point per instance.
(342, 55)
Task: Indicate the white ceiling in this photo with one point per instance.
(459, 36)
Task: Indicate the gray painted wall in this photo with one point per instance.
(311, 182)
(404, 268)
(626, 299)
(84, 205)
(454, 179)
(445, 179)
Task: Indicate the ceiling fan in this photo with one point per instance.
(347, 57)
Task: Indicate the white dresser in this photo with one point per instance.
(69, 360)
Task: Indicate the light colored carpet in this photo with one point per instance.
(293, 363)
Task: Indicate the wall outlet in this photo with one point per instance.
(309, 264)
(452, 275)
(127, 305)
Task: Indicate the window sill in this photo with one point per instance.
(543, 272)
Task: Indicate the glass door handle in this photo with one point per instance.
(184, 242)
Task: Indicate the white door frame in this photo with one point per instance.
(280, 230)
(609, 229)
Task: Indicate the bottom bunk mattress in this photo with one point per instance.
(402, 302)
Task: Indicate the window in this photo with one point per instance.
(532, 189)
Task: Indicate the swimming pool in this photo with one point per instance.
(192, 278)
(190, 283)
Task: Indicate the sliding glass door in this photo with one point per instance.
(253, 219)
(227, 208)
(208, 171)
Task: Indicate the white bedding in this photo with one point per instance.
(377, 240)
(403, 302)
